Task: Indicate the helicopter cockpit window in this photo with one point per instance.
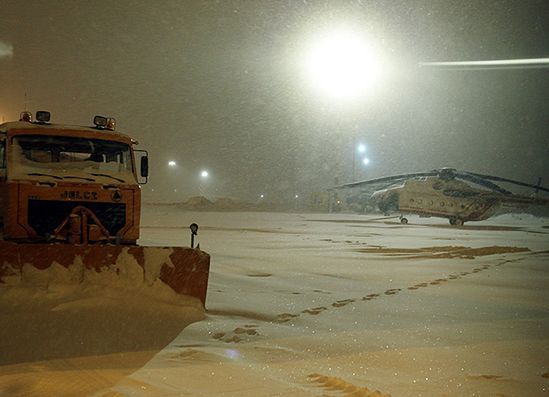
(437, 185)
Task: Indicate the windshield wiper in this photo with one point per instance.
(109, 176)
(61, 177)
(39, 174)
(79, 177)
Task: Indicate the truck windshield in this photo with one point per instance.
(72, 153)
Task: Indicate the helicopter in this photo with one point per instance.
(459, 196)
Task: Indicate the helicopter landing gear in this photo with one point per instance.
(456, 221)
(403, 220)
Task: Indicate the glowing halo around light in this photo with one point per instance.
(341, 64)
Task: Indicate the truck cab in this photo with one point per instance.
(71, 184)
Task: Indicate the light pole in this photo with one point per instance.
(172, 164)
(204, 175)
(360, 148)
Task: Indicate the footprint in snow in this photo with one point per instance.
(239, 334)
(285, 317)
(370, 297)
(342, 303)
(315, 310)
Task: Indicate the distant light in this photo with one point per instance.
(261, 196)
(297, 196)
(172, 163)
(361, 148)
(366, 161)
(204, 174)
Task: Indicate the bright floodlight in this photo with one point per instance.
(204, 174)
(342, 64)
(172, 163)
(361, 148)
(366, 161)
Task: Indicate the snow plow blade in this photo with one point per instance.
(185, 270)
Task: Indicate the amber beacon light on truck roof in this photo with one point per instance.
(43, 117)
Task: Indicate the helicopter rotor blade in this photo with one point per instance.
(481, 182)
(529, 63)
(500, 179)
(393, 178)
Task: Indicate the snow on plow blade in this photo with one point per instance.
(185, 270)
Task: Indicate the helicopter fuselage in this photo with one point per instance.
(435, 196)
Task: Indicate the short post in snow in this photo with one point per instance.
(194, 232)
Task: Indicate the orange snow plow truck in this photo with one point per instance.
(70, 197)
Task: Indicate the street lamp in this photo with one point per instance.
(360, 148)
(203, 184)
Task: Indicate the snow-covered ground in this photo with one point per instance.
(336, 305)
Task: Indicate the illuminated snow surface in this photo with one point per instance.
(326, 305)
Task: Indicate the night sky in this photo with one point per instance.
(219, 85)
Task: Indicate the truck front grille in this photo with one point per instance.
(45, 216)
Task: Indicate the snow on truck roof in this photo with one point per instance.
(64, 130)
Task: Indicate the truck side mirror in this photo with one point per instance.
(144, 166)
